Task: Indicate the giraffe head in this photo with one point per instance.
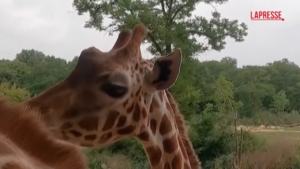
(107, 96)
(117, 94)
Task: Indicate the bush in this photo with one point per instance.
(272, 119)
(133, 150)
(103, 160)
(214, 141)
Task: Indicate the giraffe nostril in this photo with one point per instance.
(114, 90)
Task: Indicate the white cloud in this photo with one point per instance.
(55, 28)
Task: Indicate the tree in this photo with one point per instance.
(13, 93)
(171, 23)
(30, 57)
(280, 102)
(12, 71)
(285, 75)
(224, 98)
(229, 60)
(44, 70)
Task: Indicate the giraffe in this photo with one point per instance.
(26, 143)
(117, 94)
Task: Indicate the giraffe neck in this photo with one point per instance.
(161, 138)
(26, 133)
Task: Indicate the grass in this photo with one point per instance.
(271, 135)
(281, 152)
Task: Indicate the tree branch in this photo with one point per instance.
(163, 7)
(156, 45)
(170, 9)
(177, 11)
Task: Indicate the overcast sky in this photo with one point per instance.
(54, 28)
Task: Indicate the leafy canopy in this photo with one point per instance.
(171, 23)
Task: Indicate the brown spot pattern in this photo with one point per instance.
(151, 108)
(130, 109)
(170, 144)
(75, 133)
(138, 92)
(89, 123)
(110, 121)
(183, 150)
(126, 130)
(153, 126)
(125, 103)
(64, 135)
(165, 125)
(86, 145)
(71, 112)
(66, 126)
(177, 162)
(136, 77)
(144, 136)
(12, 165)
(122, 121)
(90, 137)
(154, 154)
(144, 113)
(136, 113)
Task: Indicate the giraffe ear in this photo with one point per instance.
(165, 71)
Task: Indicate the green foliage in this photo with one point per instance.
(12, 71)
(13, 93)
(224, 98)
(212, 134)
(131, 148)
(187, 84)
(213, 140)
(268, 118)
(172, 23)
(105, 159)
(209, 137)
(280, 102)
(210, 94)
(42, 71)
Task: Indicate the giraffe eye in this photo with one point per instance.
(114, 90)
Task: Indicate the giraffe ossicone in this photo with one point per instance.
(117, 94)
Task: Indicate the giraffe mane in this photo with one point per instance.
(26, 131)
(183, 132)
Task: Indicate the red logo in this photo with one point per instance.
(266, 16)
